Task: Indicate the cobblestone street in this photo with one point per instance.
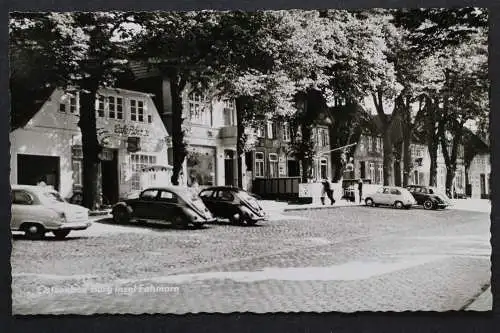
(341, 259)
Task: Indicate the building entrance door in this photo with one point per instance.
(229, 168)
(109, 177)
(33, 169)
(483, 184)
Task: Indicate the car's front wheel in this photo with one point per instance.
(369, 202)
(398, 205)
(180, 222)
(428, 204)
(34, 231)
(60, 234)
(121, 215)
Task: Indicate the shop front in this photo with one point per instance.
(49, 148)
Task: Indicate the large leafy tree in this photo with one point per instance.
(230, 53)
(427, 33)
(466, 98)
(83, 52)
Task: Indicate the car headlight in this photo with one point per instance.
(62, 217)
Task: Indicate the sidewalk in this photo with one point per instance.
(483, 303)
(281, 206)
(474, 205)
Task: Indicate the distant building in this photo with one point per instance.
(49, 147)
(480, 176)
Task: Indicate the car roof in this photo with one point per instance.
(214, 188)
(31, 188)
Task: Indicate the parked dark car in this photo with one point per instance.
(428, 196)
(232, 203)
(175, 205)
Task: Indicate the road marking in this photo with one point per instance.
(355, 270)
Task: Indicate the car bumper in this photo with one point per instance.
(212, 220)
(73, 226)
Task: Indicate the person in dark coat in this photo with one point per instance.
(327, 189)
(360, 190)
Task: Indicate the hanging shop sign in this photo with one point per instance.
(133, 144)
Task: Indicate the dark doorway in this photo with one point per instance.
(362, 169)
(483, 184)
(32, 169)
(109, 178)
(229, 167)
(293, 168)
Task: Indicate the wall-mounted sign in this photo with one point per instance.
(131, 130)
(133, 144)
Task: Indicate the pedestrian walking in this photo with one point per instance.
(360, 190)
(326, 189)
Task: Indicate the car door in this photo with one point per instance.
(144, 206)
(421, 195)
(385, 196)
(165, 209)
(224, 203)
(22, 208)
(395, 195)
(207, 196)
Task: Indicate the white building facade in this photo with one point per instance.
(129, 128)
(479, 176)
(211, 140)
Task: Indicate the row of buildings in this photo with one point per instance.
(131, 129)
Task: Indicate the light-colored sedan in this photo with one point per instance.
(37, 210)
(391, 196)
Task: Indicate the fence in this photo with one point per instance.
(277, 188)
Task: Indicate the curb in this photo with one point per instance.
(317, 208)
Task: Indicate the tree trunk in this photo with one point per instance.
(240, 138)
(407, 158)
(388, 159)
(90, 148)
(178, 145)
(432, 140)
(433, 147)
(450, 177)
(397, 164)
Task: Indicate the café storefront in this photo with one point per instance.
(129, 129)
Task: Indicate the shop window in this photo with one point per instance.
(21, 198)
(200, 163)
(259, 164)
(273, 165)
(139, 162)
(77, 171)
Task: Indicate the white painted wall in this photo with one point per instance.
(52, 133)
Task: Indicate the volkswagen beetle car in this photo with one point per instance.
(391, 196)
(428, 196)
(174, 205)
(232, 203)
(37, 210)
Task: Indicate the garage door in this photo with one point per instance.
(31, 169)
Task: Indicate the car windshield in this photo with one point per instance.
(52, 197)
